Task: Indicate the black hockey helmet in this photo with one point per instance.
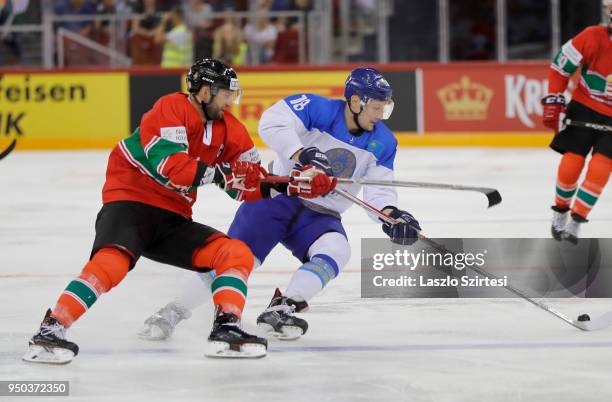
(214, 73)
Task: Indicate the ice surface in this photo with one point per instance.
(355, 350)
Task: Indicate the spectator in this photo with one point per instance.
(260, 5)
(177, 41)
(261, 39)
(168, 5)
(227, 5)
(143, 49)
(197, 14)
(10, 46)
(287, 48)
(146, 25)
(228, 45)
(101, 29)
(302, 5)
(80, 7)
(10, 51)
(281, 5)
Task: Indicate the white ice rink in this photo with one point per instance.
(355, 350)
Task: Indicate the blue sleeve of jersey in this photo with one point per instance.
(314, 111)
(384, 146)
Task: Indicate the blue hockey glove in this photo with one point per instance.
(315, 157)
(406, 232)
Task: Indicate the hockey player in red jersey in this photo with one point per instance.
(591, 103)
(183, 142)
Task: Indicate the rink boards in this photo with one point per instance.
(459, 104)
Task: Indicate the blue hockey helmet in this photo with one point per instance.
(367, 83)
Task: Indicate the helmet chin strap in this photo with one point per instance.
(360, 130)
(204, 105)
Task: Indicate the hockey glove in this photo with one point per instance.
(313, 156)
(553, 107)
(239, 175)
(406, 232)
(318, 185)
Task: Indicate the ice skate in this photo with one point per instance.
(278, 319)
(228, 340)
(559, 221)
(572, 229)
(49, 344)
(160, 325)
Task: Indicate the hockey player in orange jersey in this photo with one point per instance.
(591, 103)
(184, 141)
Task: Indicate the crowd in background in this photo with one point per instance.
(187, 25)
(195, 29)
(166, 28)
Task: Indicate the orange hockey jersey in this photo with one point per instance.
(591, 49)
(157, 164)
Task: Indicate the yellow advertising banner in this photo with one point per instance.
(64, 110)
(262, 89)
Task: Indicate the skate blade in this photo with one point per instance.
(152, 333)
(246, 351)
(287, 333)
(48, 355)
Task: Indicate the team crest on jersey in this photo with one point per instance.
(376, 147)
(343, 162)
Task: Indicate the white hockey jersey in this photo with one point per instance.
(306, 120)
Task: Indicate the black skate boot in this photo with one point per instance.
(572, 228)
(278, 319)
(49, 344)
(227, 339)
(559, 221)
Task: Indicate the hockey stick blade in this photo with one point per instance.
(494, 198)
(602, 322)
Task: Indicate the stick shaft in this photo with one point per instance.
(586, 124)
(492, 194)
(366, 206)
(387, 183)
(476, 269)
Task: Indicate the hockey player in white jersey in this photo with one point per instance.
(312, 134)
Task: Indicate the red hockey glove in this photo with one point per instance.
(242, 176)
(318, 185)
(553, 106)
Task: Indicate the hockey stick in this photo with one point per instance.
(602, 322)
(8, 150)
(492, 194)
(584, 124)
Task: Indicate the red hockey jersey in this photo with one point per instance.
(591, 49)
(157, 164)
